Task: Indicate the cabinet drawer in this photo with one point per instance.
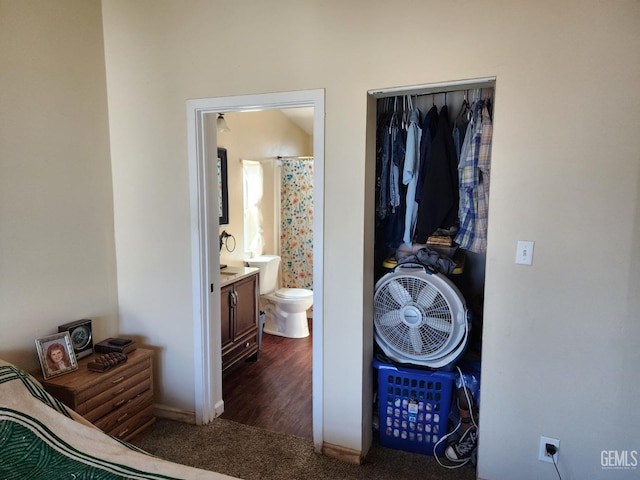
(126, 412)
(112, 381)
(114, 398)
(136, 424)
(244, 347)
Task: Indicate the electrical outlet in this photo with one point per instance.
(543, 456)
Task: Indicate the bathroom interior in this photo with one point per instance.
(267, 224)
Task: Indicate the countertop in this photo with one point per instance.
(232, 274)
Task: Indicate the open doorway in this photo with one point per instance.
(205, 258)
(270, 193)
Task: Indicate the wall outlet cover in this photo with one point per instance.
(542, 453)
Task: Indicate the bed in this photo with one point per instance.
(41, 439)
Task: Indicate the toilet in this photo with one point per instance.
(285, 308)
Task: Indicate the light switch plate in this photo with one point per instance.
(524, 252)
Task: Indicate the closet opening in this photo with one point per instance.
(432, 189)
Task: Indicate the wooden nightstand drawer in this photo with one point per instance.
(125, 412)
(112, 381)
(111, 400)
(133, 426)
(119, 401)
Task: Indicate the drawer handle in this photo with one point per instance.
(246, 345)
(118, 380)
(122, 417)
(123, 433)
(118, 392)
(121, 402)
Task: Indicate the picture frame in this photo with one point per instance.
(223, 194)
(60, 347)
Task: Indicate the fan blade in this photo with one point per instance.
(390, 319)
(438, 324)
(416, 339)
(399, 293)
(427, 296)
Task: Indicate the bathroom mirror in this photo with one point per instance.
(223, 195)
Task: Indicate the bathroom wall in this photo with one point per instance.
(256, 136)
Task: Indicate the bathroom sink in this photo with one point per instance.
(228, 274)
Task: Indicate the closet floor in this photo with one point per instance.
(274, 392)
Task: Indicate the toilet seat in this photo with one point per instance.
(293, 293)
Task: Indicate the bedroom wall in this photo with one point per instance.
(559, 341)
(57, 256)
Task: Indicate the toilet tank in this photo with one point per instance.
(269, 266)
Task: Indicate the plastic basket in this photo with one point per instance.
(413, 408)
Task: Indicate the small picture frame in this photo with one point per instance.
(56, 355)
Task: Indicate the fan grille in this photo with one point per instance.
(412, 316)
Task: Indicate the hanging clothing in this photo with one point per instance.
(397, 195)
(383, 166)
(474, 171)
(460, 125)
(410, 173)
(440, 196)
(429, 127)
(397, 159)
(479, 244)
(468, 180)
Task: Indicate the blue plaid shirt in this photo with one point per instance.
(468, 179)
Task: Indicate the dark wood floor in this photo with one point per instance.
(273, 393)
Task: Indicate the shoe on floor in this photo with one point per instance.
(463, 448)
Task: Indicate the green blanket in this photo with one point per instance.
(41, 439)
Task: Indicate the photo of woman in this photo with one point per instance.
(56, 355)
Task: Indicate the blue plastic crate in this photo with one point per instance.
(413, 407)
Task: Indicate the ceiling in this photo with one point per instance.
(303, 117)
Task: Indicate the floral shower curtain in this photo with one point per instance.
(296, 225)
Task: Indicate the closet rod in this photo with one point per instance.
(431, 88)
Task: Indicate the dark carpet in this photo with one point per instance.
(252, 453)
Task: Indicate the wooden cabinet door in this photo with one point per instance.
(226, 314)
(247, 306)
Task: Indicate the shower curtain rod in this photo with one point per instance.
(279, 157)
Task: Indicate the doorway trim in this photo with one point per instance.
(205, 259)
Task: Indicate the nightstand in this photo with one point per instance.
(119, 401)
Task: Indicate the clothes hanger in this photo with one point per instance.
(405, 112)
(394, 114)
(410, 108)
(464, 109)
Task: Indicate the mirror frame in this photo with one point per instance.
(223, 194)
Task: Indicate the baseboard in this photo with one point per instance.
(348, 455)
(171, 413)
(219, 408)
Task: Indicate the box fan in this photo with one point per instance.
(420, 317)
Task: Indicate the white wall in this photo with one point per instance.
(559, 338)
(57, 257)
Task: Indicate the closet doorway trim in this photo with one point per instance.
(484, 82)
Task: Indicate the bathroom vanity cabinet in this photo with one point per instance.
(239, 315)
